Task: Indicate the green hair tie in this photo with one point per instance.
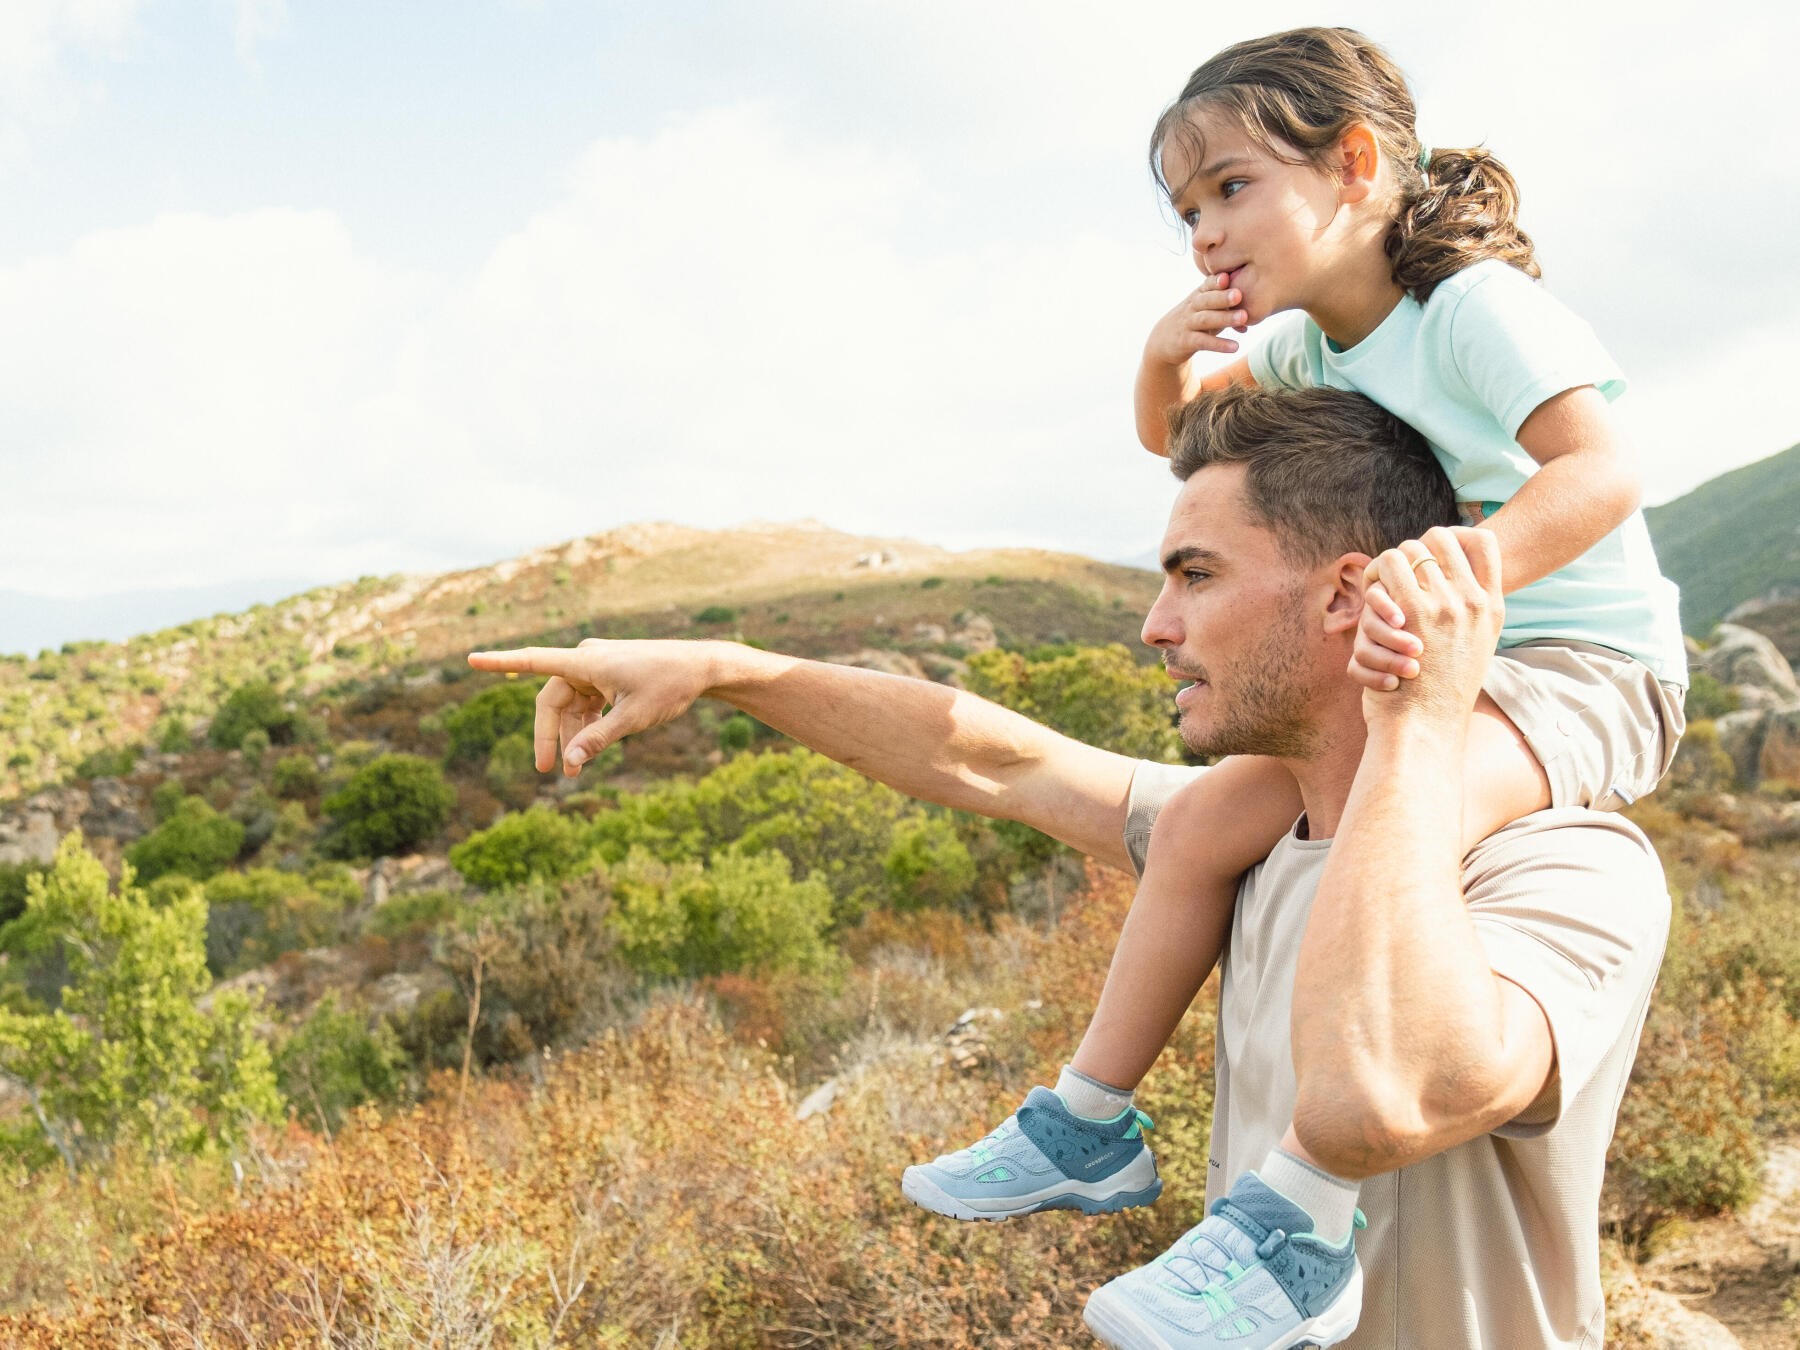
(1424, 158)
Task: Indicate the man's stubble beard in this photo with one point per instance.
(1266, 711)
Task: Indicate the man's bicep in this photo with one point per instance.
(1080, 795)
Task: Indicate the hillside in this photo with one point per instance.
(797, 587)
(1733, 539)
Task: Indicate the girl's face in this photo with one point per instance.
(1267, 223)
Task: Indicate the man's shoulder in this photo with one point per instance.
(1563, 837)
(1151, 787)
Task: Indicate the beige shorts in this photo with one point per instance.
(1603, 727)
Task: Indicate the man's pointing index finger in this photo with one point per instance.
(526, 660)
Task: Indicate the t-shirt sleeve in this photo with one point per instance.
(1151, 787)
(1282, 359)
(1516, 345)
(1573, 907)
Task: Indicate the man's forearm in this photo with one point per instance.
(1399, 1024)
(935, 743)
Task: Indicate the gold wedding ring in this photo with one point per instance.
(1420, 562)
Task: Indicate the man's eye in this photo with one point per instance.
(1194, 574)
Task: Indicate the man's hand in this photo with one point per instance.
(1194, 325)
(601, 691)
(1447, 587)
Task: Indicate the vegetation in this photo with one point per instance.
(194, 841)
(390, 806)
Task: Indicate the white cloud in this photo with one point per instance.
(37, 38)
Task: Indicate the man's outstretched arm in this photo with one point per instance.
(926, 740)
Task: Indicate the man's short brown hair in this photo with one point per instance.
(1328, 472)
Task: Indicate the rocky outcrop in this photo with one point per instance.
(874, 658)
(28, 837)
(112, 812)
(1751, 666)
(974, 633)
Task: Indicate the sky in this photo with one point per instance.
(292, 293)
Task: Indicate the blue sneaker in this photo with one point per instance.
(1042, 1157)
(1250, 1276)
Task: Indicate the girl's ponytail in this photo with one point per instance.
(1466, 208)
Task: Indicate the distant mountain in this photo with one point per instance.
(1732, 539)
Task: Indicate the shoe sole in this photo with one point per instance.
(919, 1188)
(1116, 1324)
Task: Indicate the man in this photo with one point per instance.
(1457, 1032)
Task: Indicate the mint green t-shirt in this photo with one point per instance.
(1466, 368)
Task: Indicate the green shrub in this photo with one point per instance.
(511, 773)
(389, 807)
(535, 843)
(112, 762)
(737, 913)
(166, 798)
(928, 866)
(1707, 698)
(296, 775)
(415, 912)
(255, 916)
(713, 614)
(255, 745)
(251, 707)
(496, 712)
(1100, 696)
(931, 583)
(333, 1062)
(195, 841)
(15, 879)
(736, 733)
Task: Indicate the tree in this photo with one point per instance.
(129, 1055)
(333, 1061)
(389, 806)
(927, 865)
(195, 841)
(1097, 695)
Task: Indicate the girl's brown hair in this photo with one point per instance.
(1302, 90)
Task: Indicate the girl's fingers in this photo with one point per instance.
(1206, 342)
(1377, 600)
(1209, 300)
(1370, 652)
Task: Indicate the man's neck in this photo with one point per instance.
(1326, 773)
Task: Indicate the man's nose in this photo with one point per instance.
(1161, 628)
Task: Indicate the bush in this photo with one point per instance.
(296, 776)
(536, 843)
(736, 733)
(1707, 698)
(928, 866)
(389, 807)
(255, 916)
(740, 912)
(195, 841)
(255, 745)
(512, 774)
(251, 707)
(15, 880)
(415, 912)
(498, 711)
(716, 614)
(1099, 696)
(112, 762)
(333, 1062)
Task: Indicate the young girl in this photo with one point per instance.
(1401, 273)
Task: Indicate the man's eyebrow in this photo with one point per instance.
(1181, 557)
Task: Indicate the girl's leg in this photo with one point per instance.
(1208, 834)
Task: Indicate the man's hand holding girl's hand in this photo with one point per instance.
(1195, 324)
(1431, 617)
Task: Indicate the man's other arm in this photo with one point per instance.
(931, 742)
(1406, 1042)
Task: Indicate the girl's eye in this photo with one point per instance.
(1190, 218)
(1231, 186)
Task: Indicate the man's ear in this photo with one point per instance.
(1358, 160)
(1343, 608)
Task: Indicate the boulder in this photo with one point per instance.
(1747, 661)
(966, 1046)
(874, 658)
(1741, 737)
(1778, 757)
(974, 633)
(1658, 1320)
(112, 812)
(29, 838)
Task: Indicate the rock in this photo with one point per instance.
(1773, 1222)
(1658, 1320)
(974, 632)
(31, 838)
(112, 812)
(430, 874)
(874, 658)
(399, 993)
(1779, 756)
(928, 632)
(965, 1045)
(1746, 660)
(819, 1100)
(1741, 737)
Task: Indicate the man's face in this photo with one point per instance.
(1233, 618)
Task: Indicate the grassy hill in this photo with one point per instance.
(798, 587)
(1732, 539)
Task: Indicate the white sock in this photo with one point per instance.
(1089, 1097)
(1330, 1200)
